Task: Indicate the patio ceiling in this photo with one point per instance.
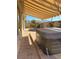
(40, 8)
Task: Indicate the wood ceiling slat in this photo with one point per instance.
(43, 11)
(48, 4)
(49, 7)
(38, 13)
(32, 10)
(55, 1)
(56, 4)
(41, 7)
(33, 14)
(38, 10)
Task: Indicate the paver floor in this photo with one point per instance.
(42, 55)
(28, 50)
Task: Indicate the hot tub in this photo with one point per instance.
(49, 38)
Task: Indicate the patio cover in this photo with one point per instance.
(40, 8)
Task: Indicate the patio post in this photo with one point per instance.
(20, 7)
(22, 23)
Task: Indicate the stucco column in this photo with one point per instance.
(24, 21)
(21, 20)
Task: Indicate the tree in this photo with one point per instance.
(33, 21)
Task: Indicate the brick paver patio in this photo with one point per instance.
(30, 50)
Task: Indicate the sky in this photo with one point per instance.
(30, 18)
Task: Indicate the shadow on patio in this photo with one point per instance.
(30, 50)
(26, 50)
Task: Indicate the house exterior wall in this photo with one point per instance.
(51, 24)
